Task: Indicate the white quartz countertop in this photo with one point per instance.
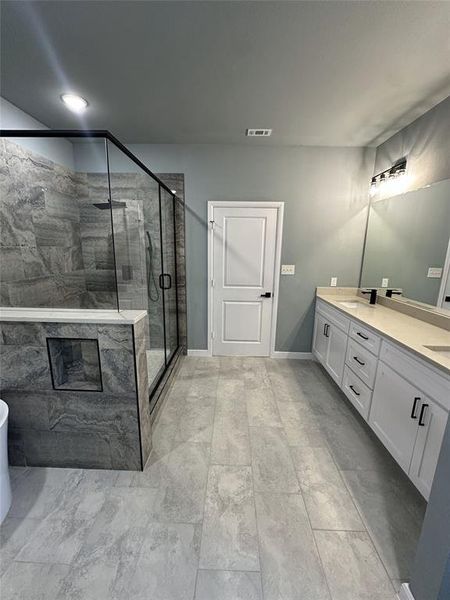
(409, 332)
(71, 315)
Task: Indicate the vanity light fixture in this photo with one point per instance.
(75, 103)
(390, 181)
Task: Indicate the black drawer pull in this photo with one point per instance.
(360, 362)
(422, 414)
(325, 329)
(414, 406)
(354, 391)
(364, 337)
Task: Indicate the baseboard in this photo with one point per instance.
(297, 355)
(194, 352)
(405, 592)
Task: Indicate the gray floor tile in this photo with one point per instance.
(352, 566)
(166, 567)
(196, 420)
(181, 478)
(300, 424)
(327, 500)
(261, 408)
(273, 469)
(290, 564)
(393, 514)
(230, 441)
(14, 534)
(229, 538)
(32, 581)
(228, 585)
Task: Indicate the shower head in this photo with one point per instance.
(107, 205)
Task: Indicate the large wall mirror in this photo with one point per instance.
(407, 245)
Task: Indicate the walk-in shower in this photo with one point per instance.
(86, 225)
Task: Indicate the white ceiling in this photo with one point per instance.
(319, 73)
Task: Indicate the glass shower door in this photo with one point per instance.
(168, 278)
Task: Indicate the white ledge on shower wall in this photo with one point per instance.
(71, 315)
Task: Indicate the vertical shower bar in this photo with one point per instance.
(112, 225)
(175, 265)
(162, 271)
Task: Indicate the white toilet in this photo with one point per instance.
(5, 486)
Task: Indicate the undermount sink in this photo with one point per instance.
(352, 304)
(442, 350)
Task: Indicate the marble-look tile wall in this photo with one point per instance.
(41, 258)
(61, 428)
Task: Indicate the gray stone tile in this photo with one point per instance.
(228, 585)
(327, 500)
(261, 408)
(166, 566)
(14, 533)
(42, 490)
(181, 477)
(55, 231)
(290, 564)
(352, 566)
(124, 451)
(196, 420)
(115, 336)
(230, 441)
(11, 264)
(24, 368)
(229, 537)
(27, 410)
(61, 205)
(273, 470)
(32, 581)
(300, 424)
(118, 371)
(393, 512)
(22, 334)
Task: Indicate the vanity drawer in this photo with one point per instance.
(357, 392)
(365, 337)
(362, 362)
(333, 316)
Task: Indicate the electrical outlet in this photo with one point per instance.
(435, 272)
(384, 282)
(288, 269)
(333, 282)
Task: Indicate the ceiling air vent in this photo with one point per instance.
(258, 132)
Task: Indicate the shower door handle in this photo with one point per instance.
(162, 281)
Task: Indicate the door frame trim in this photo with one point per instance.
(212, 204)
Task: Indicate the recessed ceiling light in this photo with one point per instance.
(75, 103)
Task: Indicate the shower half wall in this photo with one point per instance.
(95, 233)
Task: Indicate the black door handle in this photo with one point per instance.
(360, 362)
(327, 328)
(422, 414)
(266, 295)
(354, 391)
(364, 337)
(162, 281)
(414, 406)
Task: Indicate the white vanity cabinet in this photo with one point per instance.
(330, 340)
(405, 400)
(409, 421)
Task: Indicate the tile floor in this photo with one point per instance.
(263, 484)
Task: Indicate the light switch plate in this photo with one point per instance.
(288, 269)
(384, 282)
(333, 282)
(435, 272)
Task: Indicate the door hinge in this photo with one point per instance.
(212, 223)
(212, 282)
(212, 335)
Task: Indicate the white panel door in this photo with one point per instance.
(244, 243)
(337, 348)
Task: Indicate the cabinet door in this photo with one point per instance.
(391, 415)
(428, 444)
(320, 345)
(337, 348)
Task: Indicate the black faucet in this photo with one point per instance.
(373, 295)
(389, 292)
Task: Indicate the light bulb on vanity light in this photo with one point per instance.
(75, 103)
(373, 187)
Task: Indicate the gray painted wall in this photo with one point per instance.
(325, 195)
